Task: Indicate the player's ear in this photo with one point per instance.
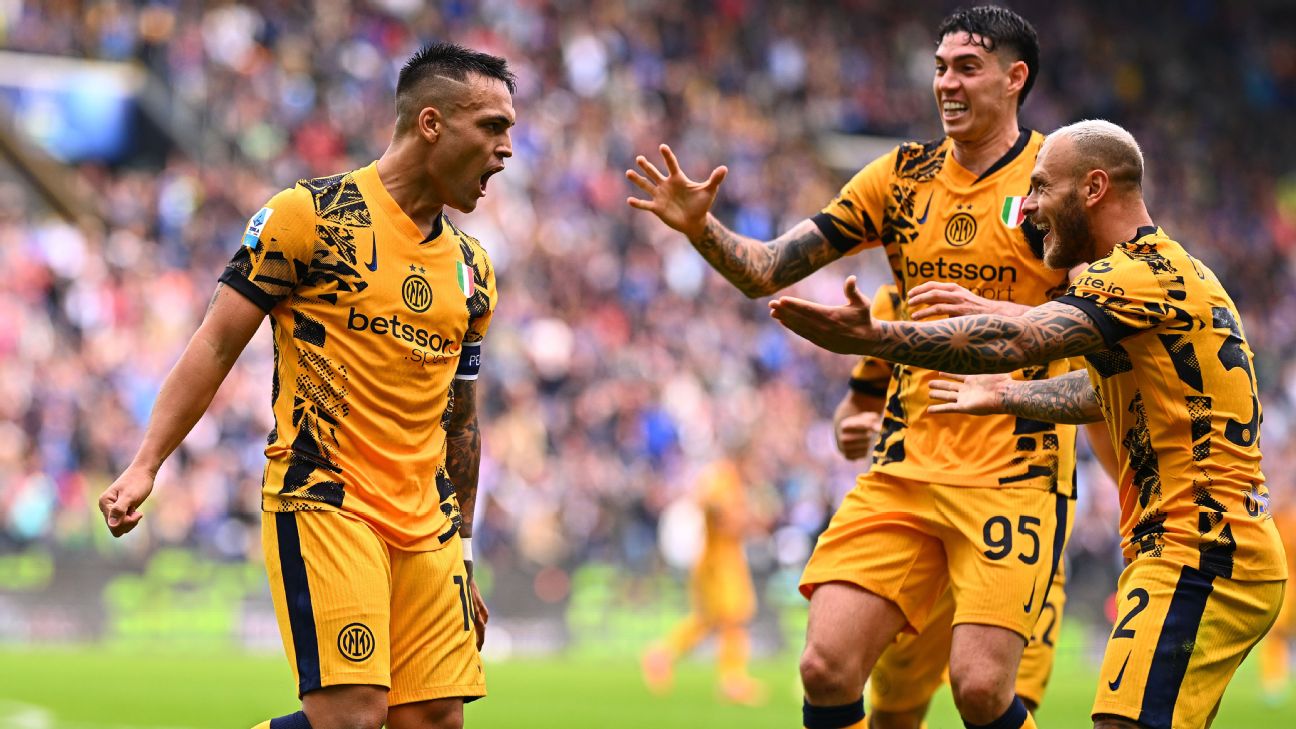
(1096, 184)
(430, 123)
(1017, 75)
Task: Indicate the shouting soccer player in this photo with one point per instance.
(372, 465)
(947, 210)
(1170, 371)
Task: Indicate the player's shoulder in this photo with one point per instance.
(918, 160)
(1154, 251)
(473, 249)
(286, 213)
(318, 187)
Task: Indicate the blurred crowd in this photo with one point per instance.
(618, 363)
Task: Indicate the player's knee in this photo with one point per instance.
(436, 714)
(354, 717)
(822, 676)
(981, 699)
(346, 707)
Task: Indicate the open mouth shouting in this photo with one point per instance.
(481, 182)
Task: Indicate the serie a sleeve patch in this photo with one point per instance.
(256, 226)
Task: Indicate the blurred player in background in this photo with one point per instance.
(983, 503)
(910, 671)
(1170, 371)
(723, 600)
(378, 305)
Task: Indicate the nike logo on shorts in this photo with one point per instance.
(1029, 601)
(1113, 685)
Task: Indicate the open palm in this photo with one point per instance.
(970, 394)
(846, 329)
(680, 202)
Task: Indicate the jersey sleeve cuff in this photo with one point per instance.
(236, 281)
(828, 226)
(1112, 331)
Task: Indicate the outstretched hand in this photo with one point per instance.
(844, 329)
(680, 202)
(970, 394)
(939, 298)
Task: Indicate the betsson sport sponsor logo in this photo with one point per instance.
(430, 346)
(989, 280)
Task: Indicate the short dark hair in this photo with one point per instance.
(998, 28)
(449, 60)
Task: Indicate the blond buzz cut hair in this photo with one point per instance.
(1100, 144)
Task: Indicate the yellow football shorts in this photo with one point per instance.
(1179, 636)
(353, 610)
(906, 541)
(912, 669)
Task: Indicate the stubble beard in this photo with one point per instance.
(1073, 239)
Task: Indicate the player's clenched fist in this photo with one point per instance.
(120, 501)
(857, 434)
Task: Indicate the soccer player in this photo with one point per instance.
(371, 471)
(1170, 371)
(910, 671)
(720, 587)
(947, 210)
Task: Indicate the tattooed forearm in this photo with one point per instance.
(760, 269)
(977, 344)
(463, 450)
(215, 295)
(1070, 398)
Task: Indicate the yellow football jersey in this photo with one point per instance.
(873, 376)
(371, 322)
(722, 501)
(1179, 392)
(939, 222)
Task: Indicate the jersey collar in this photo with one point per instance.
(374, 190)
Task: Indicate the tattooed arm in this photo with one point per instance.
(463, 463)
(1069, 398)
(757, 268)
(463, 450)
(763, 268)
(965, 344)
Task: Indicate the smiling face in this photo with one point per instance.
(471, 141)
(1056, 206)
(976, 90)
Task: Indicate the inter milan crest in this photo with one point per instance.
(356, 642)
(961, 229)
(417, 293)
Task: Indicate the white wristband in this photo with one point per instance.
(467, 548)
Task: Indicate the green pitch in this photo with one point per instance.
(87, 688)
